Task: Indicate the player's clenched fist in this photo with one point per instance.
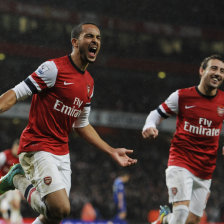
(150, 132)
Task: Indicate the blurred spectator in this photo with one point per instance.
(88, 212)
(119, 196)
(10, 201)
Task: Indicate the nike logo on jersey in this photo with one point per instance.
(68, 83)
(188, 107)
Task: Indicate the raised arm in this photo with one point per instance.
(165, 110)
(46, 72)
(150, 128)
(7, 100)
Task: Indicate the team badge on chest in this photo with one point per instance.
(88, 90)
(220, 111)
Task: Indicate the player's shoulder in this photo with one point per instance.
(7, 152)
(221, 92)
(117, 180)
(60, 60)
(89, 76)
(187, 91)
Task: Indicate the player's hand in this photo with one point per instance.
(150, 133)
(121, 157)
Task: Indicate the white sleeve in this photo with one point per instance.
(153, 120)
(2, 159)
(170, 106)
(164, 111)
(92, 93)
(83, 119)
(22, 91)
(46, 72)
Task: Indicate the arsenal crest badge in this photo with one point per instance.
(174, 190)
(220, 111)
(47, 180)
(88, 90)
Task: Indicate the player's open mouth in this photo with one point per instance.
(92, 51)
(216, 78)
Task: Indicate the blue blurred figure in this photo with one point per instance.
(119, 198)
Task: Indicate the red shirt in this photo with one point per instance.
(10, 160)
(62, 93)
(198, 127)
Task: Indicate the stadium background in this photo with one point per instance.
(149, 49)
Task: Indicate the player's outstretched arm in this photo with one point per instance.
(120, 155)
(7, 100)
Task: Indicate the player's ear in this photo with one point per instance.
(201, 70)
(74, 42)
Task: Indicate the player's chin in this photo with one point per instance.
(216, 85)
(91, 60)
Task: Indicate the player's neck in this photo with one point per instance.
(79, 62)
(207, 91)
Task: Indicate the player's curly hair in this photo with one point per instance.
(76, 31)
(204, 63)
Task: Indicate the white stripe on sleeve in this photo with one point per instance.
(2, 159)
(92, 93)
(172, 101)
(83, 119)
(22, 91)
(48, 73)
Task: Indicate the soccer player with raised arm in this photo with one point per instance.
(62, 90)
(193, 151)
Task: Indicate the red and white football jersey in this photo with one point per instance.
(7, 159)
(198, 127)
(62, 94)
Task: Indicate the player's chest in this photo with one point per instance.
(209, 110)
(74, 88)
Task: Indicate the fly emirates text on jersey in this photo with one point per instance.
(203, 128)
(71, 111)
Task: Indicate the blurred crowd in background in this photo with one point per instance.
(149, 49)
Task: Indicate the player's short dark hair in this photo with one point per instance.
(204, 63)
(77, 30)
